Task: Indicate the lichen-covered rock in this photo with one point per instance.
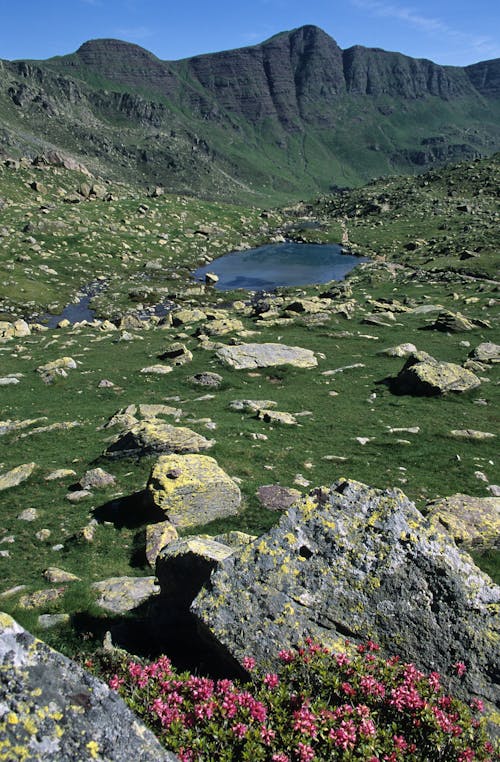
(453, 322)
(473, 522)
(17, 329)
(158, 536)
(274, 497)
(400, 350)
(251, 406)
(249, 356)
(220, 327)
(207, 378)
(358, 562)
(183, 317)
(64, 363)
(192, 490)
(16, 475)
(52, 710)
(121, 594)
(422, 375)
(153, 436)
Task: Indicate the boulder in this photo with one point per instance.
(361, 563)
(158, 536)
(422, 375)
(220, 327)
(185, 565)
(154, 436)
(184, 317)
(121, 594)
(401, 350)
(16, 475)
(276, 416)
(473, 522)
(52, 710)
(192, 490)
(453, 322)
(250, 356)
(251, 406)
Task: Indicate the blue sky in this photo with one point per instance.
(454, 32)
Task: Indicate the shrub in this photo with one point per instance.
(318, 705)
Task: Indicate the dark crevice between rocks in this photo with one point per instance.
(131, 512)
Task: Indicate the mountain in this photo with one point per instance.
(286, 118)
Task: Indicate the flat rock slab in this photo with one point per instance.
(192, 490)
(121, 594)
(487, 352)
(360, 563)
(52, 710)
(154, 436)
(473, 522)
(249, 356)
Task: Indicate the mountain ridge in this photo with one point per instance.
(291, 115)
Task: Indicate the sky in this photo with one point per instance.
(450, 32)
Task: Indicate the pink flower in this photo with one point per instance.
(305, 752)
(477, 704)
(271, 680)
(341, 659)
(115, 682)
(267, 735)
(345, 735)
(367, 728)
(406, 697)
(286, 657)
(185, 755)
(305, 722)
(460, 668)
(435, 681)
(249, 663)
(467, 755)
(280, 757)
(399, 742)
(239, 729)
(371, 687)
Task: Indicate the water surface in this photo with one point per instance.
(281, 264)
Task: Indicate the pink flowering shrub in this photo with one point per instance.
(318, 705)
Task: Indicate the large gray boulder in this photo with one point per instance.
(360, 563)
(51, 710)
(154, 436)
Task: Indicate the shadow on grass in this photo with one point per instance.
(130, 512)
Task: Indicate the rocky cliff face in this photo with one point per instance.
(287, 113)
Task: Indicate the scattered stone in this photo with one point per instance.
(60, 473)
(62, 712)
(177, 353)
(401, 350)
(211, 279)
(277, 498)
(43, 534)
(16, 476)
(158, 370)
(57, 367)
(471, 434)
(153, 436)
(104, 383)
(487, 353)
(157, 537)
(422, 375)
(41, 598)
(12, 591)
(249, 356)
(473, 522)
(275, 416)
(29, 514)
(47, 621)
(121, 594)
(341, 370)
(358, 563)
(56, 576)
(220, 327)
(251, 406)
(185, 317)
(453, 322)
(207, 379)
(97, 478)
(192, 490)
(78, 495)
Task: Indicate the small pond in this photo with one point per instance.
(281, 264)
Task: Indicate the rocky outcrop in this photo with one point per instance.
(357, 562)
(192, 490)
(52, 710)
